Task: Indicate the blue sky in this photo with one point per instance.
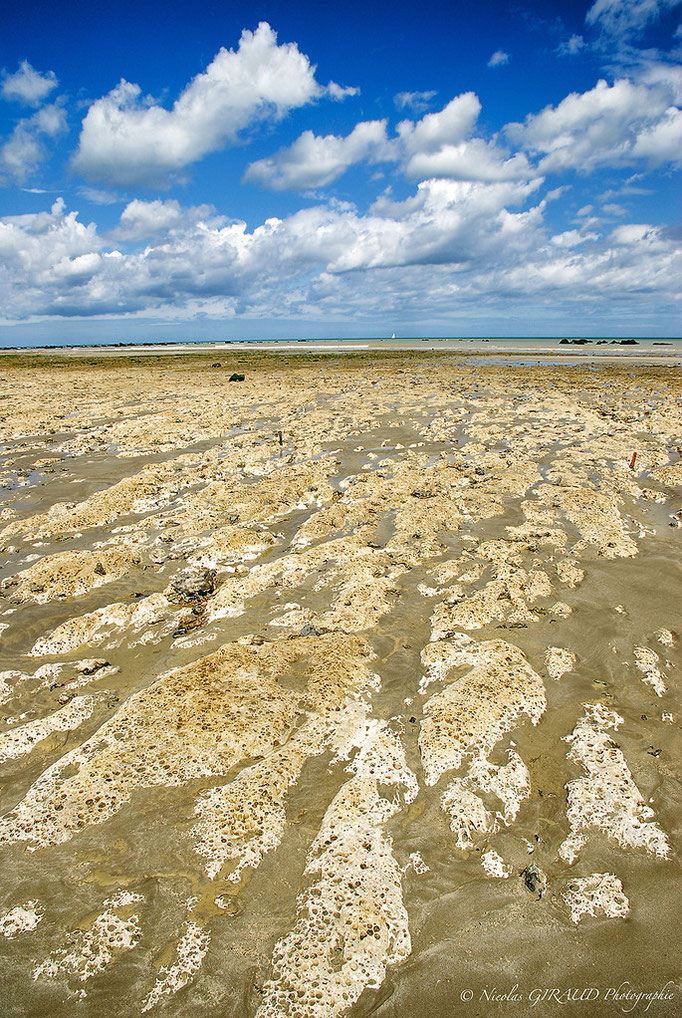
(216, 171)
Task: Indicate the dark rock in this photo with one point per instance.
(236, 377)
(479, 470)
(194, 584)
(100, 570)
(534, 879)
(308, 630)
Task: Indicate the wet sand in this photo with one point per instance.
(348, 688)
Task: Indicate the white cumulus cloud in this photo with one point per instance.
(24, 150)
(451, 125)
(437, 145)
(28, 85)
(126, 138)
(452, 245)
(313, 160)
(475, 159)
(142, 220)
(610, 125)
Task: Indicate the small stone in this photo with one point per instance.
(100, 570)
(534, 879)
(308, 630)
(194, 584)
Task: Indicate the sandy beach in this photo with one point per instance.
(350, 687)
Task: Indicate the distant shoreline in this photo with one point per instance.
(564, 349)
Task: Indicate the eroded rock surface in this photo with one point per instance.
(336, 668)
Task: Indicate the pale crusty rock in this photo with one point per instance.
(473, 712)
(540, 526)
(468, 814)
(352, 921)
(238, 823)
(104, 624)
(196, 721)
(510, 782)
(647, 662)
(7, 690)
(447, 572)
(569, 572)
(560, 609)
(416, 864)
(494, 865)
(439, 657)
(507, 597)
(600, 892)
(426, 510)
(89, 670)
(607, 796)
(230, 545)
(230, 501)
(665, 638)
(558, 661)
(362, 582)
(19, 741)
(92, 949)
(71, 573)
(242, 821)
(21, 919)
(422, 509)
(595, 515)
(151, 487)
(190, 952)
(670, 475)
